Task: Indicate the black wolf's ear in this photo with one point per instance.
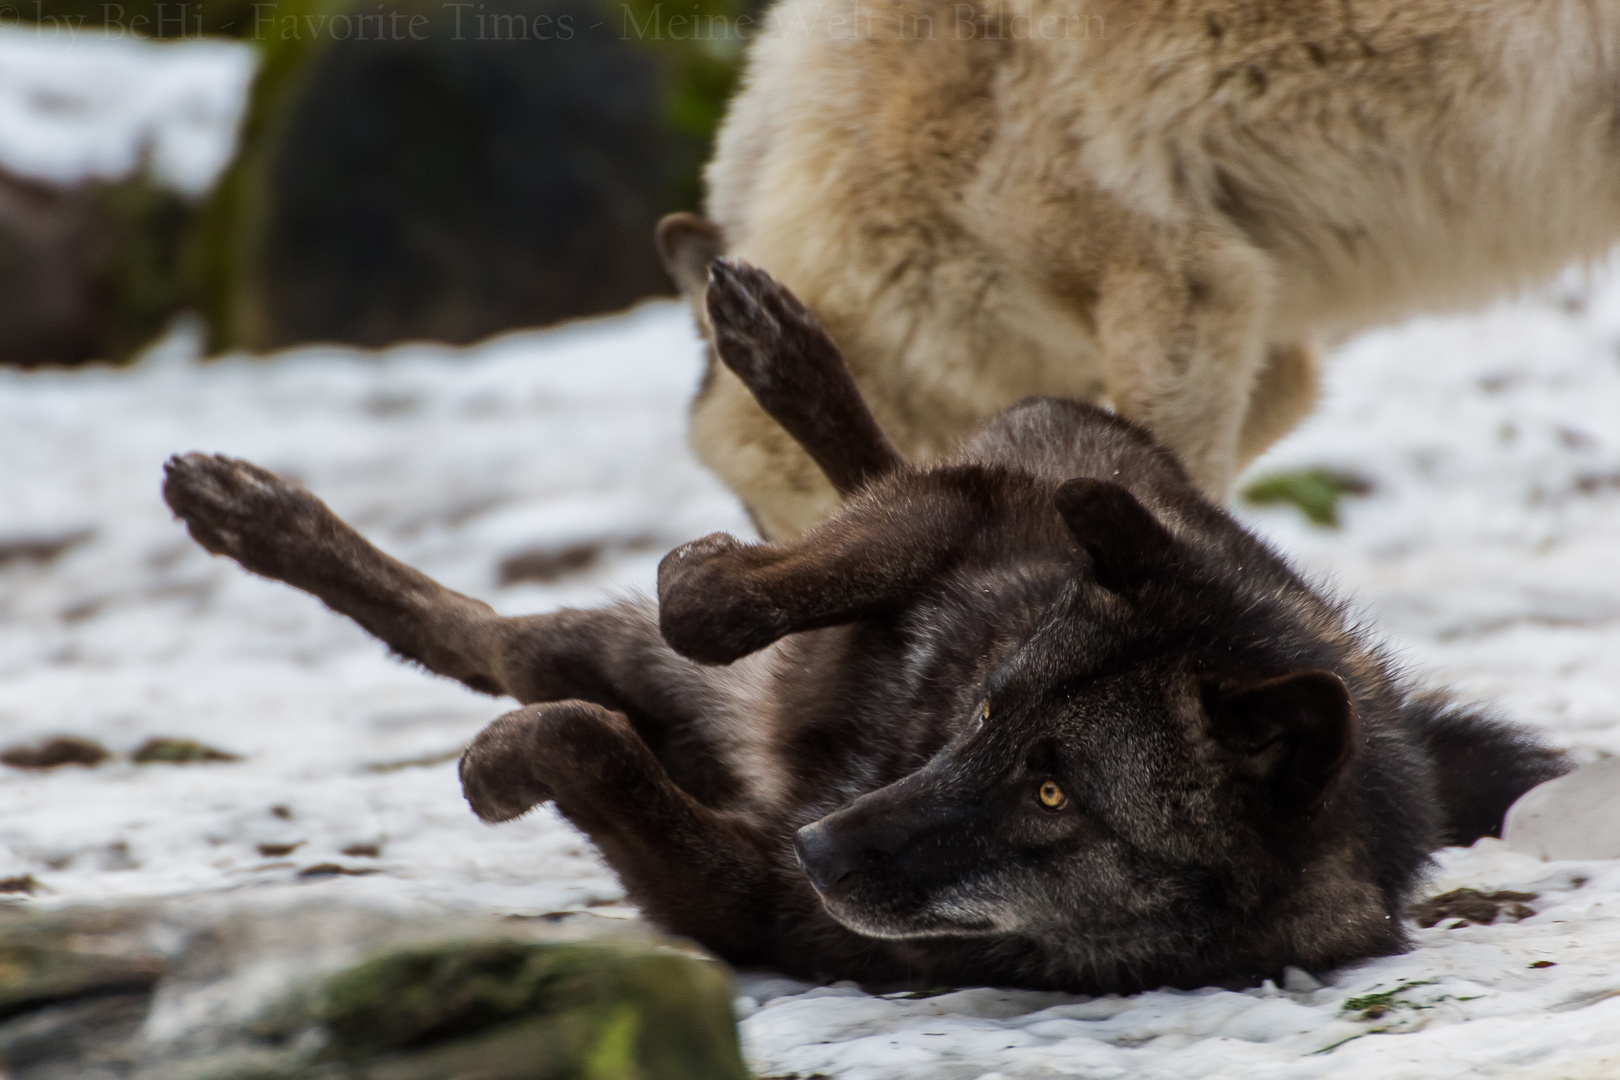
(1125, 541)
(689, 244)
(1298, 732)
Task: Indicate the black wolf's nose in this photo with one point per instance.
(823, 859)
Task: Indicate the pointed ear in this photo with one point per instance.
(1296, 731)
(688, 244)
(1125, 541)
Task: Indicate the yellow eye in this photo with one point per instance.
(1052, 796)
(984, 713)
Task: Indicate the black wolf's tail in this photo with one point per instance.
(1481, 765)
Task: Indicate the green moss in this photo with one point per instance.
(614, 1055)
(217, 264)
(139, 283)
(525, 1011)
(178, 751)
(1315, 492)
(1374, 1005)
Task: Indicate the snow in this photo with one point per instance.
(79, 104)
(1573, 817)
(451, 460)
(1486, 555)
(1488, 561)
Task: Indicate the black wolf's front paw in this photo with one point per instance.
(501, 771)
(237, 509)
(706, 608)
(574, 752)
(763, 332)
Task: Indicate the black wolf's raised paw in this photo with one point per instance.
(695, 552)
(762, 331)
(500, 773)
(235, 508)
(704, 613)
(771, 341)
(572, 751)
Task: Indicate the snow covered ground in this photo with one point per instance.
(78, 103)
(1487, 552)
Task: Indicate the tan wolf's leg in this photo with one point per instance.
(1182, 340)
(613, 656)
(1284, 395)
(783, 490)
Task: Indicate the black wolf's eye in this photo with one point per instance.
(984, 713)
(1051, 795)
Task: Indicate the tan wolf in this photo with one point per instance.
(1167, 207)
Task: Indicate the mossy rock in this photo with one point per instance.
(34, 974)
(407, 169)
(441, 997)
(413, 169)
(139, 284)
(52, 957)
(88, 272)
(523, 1010)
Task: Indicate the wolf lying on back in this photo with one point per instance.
(1167, 205)
(1037, 715)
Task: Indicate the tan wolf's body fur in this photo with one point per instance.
(1166, 206)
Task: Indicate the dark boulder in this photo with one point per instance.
(410, 169)
(414, 169)
(89, 271)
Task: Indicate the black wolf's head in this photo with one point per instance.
(1158, 748)
(1147, 748)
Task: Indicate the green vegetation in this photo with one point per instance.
(518, 1010)
(1316, 492)
(178, 752)
(1374, 1005)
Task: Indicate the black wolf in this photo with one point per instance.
(1038, 715)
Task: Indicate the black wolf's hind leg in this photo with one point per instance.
(275, 528)
(692, 870)
(796, 373)
(612, 656)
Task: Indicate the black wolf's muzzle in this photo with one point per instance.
(823, 858)
(902, 838)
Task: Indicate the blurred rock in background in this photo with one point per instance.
(464, 169)
(278, 988)
(88, 271)
(406, 170)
